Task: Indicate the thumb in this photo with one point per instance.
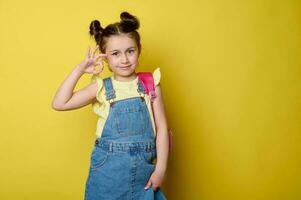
(149, 183)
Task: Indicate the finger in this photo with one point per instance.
(88, 52)
(155, 188)
(96, 71)
(95, 50)
(100, 64)
(100, 67)
(148, 185)
(101, 55)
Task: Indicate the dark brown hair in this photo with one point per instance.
(127, 25)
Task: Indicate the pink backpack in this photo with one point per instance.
(147, 81)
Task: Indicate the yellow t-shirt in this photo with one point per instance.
(123, 90)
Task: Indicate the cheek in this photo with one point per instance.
(113, 61)
(134, 58)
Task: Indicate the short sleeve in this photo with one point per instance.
(99, 81)
(96, 105)
(157, 76)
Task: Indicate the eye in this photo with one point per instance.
(115, 54)
(131, 51)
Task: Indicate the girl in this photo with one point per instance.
(130, 134)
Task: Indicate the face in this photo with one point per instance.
(122, 56)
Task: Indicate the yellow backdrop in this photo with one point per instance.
(231, 82)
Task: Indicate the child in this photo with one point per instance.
(129, 134)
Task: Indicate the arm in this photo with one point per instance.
(162, 142)
(66, 99)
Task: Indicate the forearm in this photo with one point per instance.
(65, 91)
(162, 143)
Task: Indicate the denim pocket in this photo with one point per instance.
(98, 158)
(130, 121)
(149, 157)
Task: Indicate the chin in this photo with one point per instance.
(128, 73)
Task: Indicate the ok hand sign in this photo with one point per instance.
(88, 65)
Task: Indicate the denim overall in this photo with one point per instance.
(122, 158)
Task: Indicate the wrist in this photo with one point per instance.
(160, 170)
(78, 70)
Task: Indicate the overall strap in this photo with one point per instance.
(140, 87)
(110, 92)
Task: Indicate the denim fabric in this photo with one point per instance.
(150, 194)
(122, 159)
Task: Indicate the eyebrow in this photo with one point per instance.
(126, 49)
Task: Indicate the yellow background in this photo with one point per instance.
(231, 82)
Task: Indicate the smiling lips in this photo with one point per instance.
(126, 67)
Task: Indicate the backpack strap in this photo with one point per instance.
(147, 81)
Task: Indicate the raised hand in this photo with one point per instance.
(88, 65)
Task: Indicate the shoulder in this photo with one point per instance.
(99, 81)
(99, 84)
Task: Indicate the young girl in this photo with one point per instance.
(130, 134)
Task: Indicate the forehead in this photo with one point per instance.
(120, 42)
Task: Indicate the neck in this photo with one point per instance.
(125, 78)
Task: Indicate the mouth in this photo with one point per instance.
(125, 67)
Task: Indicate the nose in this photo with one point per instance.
(124, 58)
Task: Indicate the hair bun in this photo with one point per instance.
(95, 28)
(129, 22)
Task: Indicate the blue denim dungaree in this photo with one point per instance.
(122, 158)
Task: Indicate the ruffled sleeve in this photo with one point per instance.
(157, 76)
(96, 104)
